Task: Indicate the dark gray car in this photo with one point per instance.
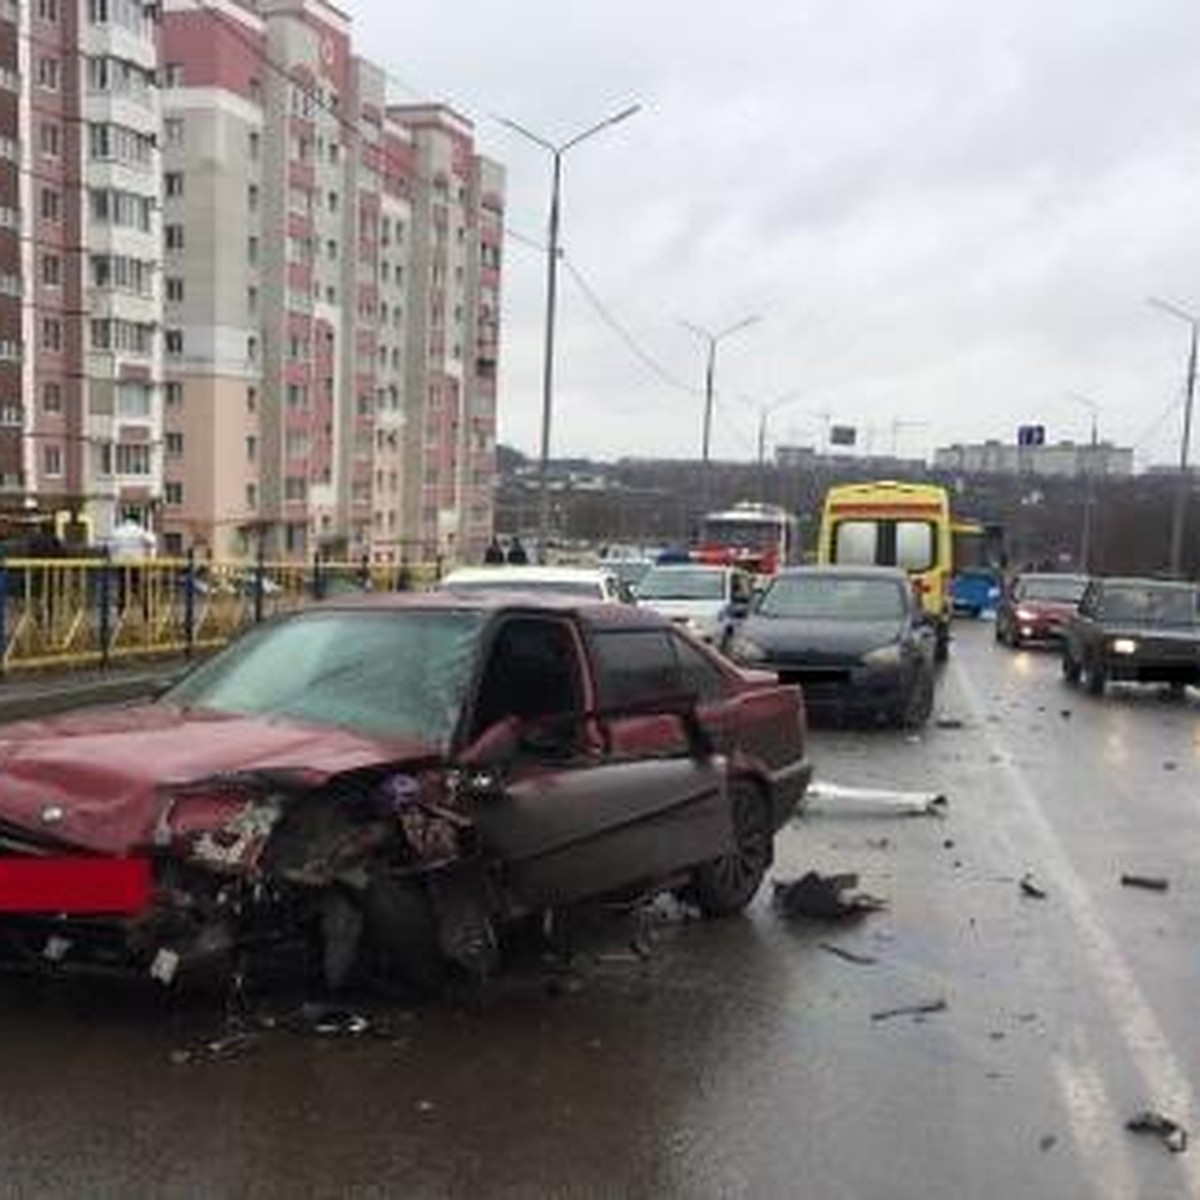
(854, 638)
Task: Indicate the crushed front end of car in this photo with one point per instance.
(375, 871)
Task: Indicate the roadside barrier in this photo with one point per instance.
(75, 612)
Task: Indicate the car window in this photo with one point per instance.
(856, 543)
(915, 548)
(834, 598)
(401, 674)
(633, 666)
(1150, 605)
(1065, 590)
(698, 674)
(682, 584)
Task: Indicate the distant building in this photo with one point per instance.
(882, 466)
(1062, 460)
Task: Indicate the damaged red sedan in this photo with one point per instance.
(383, 784)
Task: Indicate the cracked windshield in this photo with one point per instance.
(599, 600)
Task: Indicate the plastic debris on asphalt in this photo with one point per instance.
(1170, 1133)
(1150, 883)
(1032, 889)
(824, 797)
(911, 1010)
(824, 897)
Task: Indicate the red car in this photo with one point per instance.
(1037, 608)
(381, 784)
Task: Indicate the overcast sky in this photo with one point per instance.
(947, 212)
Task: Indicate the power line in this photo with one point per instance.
(630, 342)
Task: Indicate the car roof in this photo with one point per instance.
(846, 571)
(494, 602)
(506, 575)
(1143, 581)
(710, 568)
(1054, 575)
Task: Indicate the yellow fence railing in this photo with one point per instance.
(92, 611)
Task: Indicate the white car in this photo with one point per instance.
(706, 600)
(585, 582)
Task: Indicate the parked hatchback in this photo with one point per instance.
(706, 600)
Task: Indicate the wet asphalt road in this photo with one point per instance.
(741, 1058)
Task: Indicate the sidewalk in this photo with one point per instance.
(39, 694)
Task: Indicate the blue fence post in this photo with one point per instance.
(105, 591)
(260, 575)
(318, 588)
(3, 615)
(189, 603)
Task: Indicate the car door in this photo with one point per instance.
(574, 818)
(1082, 629)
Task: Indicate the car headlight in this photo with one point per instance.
(1026, 614)
(1124, 646)
(884, 656)
(746, 650)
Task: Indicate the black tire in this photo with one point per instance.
(941, 645)
(1070, 668)
(402, 934)
(917, 706)
(1177, 689)
(726, 885)
(1097, 679)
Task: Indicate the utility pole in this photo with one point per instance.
(1183, 486)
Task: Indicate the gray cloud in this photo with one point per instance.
(945, 210)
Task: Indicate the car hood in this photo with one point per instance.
(97, 780)
(800, 638)
(1061, 609)
(676, 610)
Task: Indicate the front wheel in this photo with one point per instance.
(917, 706)
(727, 884)
(1070, 667)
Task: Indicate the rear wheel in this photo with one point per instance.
(1097, 678)
(727, 884)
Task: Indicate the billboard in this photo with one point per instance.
(842, 435)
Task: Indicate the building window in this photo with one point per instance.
(173, 235)
(173, 492)
(173, 341)
(52, 460)
(331, 249)
(252, 197)
(133, 400)
(51, 270)
(173, 75)
(254, 144)
(173, 183)
(51, 333)
(295, 488)
(47, 72)
(173, 131)
(49, 139)
(174, 289)
(251, 399)
(251, 495)
(251, 448)
(133, 458)
(252, 348)
(51, 397)
(173, 444)
(47, 10)
(173, 393)
(252, 250)
(252, 300)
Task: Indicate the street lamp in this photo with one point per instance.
(710, 371)
(764, 412)
(1089, 504)
(1182, 489)
(552, 255)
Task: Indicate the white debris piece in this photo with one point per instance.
(823, 796)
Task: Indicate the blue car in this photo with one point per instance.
(975, 591)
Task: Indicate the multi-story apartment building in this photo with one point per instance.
(332, 290)
(13, 271)
(90, 345)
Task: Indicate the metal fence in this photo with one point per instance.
(93, 611)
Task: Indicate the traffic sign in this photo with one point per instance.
(1031, 435)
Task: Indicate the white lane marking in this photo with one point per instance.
(1165, 1085)
(1093, 1121)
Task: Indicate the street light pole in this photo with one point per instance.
(1089, 504)
(710, 368)
(764, 412)
(1183, 485)
(553, 253)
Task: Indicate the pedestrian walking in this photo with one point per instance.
(516, 552)
(494, 553)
